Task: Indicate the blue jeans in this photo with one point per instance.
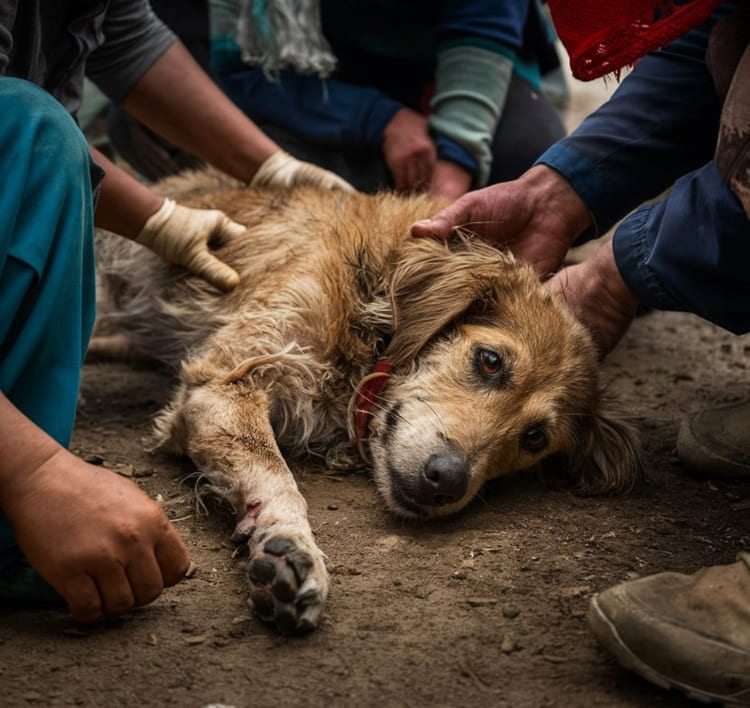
(47, 288)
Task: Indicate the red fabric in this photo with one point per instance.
(367, 395)
(603, 36)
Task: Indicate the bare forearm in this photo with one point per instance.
(124, 203)
(177, 100)
(24, 447)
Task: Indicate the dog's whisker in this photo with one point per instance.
(387, 409)
(441, 422)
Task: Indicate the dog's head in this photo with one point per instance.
(490, 375)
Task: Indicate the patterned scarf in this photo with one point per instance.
(277, 34)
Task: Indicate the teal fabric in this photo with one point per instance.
(470, 90)
(47, 290)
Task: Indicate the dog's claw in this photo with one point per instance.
(288, 587)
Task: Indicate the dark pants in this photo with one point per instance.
(529, 125)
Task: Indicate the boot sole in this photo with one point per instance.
(607, 635)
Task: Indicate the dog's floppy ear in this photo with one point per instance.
(608, 457)
(434, 283)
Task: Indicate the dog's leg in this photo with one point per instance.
(225, 429)
(113, 347)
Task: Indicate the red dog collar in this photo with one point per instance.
(367, 394)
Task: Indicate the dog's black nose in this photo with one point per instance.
(443, 480)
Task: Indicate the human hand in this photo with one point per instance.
(409, 150)
(537, 216)
(182, 236)
(96, 538)
(598, 296)
(449, 180)
(283, 170)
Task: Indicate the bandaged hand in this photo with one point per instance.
(182, 236)
(283, 170)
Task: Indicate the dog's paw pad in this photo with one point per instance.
(279, 546)
(262, 571)
(286, 588)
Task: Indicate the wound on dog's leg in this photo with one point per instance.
(227, 432)
(246, 525)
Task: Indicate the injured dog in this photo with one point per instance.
(448, 363)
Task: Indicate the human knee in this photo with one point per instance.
(36, 123)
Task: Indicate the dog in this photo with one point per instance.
(446, 364)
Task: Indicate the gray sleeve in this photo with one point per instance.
(134, 38)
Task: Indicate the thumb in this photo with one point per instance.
(438, 226)
(211, 269)
(443, 224)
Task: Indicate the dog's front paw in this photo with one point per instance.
(289, 582)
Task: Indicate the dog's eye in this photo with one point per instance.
(491, 367)
(534, 438)
(490, 362)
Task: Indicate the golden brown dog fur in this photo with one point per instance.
(329, 281)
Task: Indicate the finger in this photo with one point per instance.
(307, 173)
(336, 182)
(114, 590)
(144, 576)
(173, 558)
(227, 230)
(427, 171)
(211, 269)
(412, 176)
(82, 596)
(399, 176)
(442, 224)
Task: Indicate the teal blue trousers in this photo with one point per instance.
(47, 288)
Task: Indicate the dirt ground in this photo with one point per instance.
(485, 609)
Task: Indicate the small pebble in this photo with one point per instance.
(125, 470)
(509, 644)
(511, 612)
(199, 639)
(481, 601)
(333, 507)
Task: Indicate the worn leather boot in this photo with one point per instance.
(716, 442)
(690, 632)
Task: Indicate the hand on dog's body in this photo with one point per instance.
(187, 237)
(538, 217)
(94, 537)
